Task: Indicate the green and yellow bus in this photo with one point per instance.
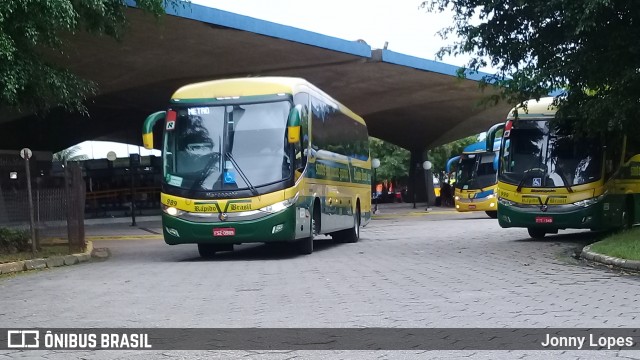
(548, 179)
(476, 178)
(269, 159)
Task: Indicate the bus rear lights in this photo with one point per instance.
(277, 228)
(172, 231)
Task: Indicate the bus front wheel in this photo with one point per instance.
(305, 245)
(536, 233)
(208, 251)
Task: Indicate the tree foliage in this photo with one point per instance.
(394, 160)
(32, 29)
(441, 154)
(588, 48)
(70, 154)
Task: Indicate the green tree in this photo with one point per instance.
(394, 160)
(33, 31)
(70, 154)
(588, 48)
(441, 154)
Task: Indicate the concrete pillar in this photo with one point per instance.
(420, 180)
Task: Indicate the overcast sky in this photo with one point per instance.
(406, 27)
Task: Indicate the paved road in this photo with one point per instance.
(440, 269)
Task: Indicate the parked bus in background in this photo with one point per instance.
(270, 159)
(476, 181)
(549, 179)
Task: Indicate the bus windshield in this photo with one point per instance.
(475, 171)
(535, 155)
(464, 174)
(227, 147)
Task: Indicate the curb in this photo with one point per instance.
(587, 254)
(50, 262)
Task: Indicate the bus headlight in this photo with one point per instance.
(279, 206)
(170, 210)
(589, 202)
(503, 201)
(456, 198)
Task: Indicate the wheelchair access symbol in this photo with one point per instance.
(537, 182)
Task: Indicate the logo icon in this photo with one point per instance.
(21, 339)
(537, 182)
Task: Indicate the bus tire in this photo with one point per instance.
(535, 233)
(207, 251)
(351, 235)
(305, 245)
(492, 214)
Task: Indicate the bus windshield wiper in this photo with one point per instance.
(215, 157)
(254, 191)
(565, 182)
(527, 174)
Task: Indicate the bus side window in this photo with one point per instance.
(300, 148)
(633, 147)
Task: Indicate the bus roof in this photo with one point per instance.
(535, 109)
(481, 147)
(255, 86)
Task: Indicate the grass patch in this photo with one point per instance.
(624, 245)
(45, 252)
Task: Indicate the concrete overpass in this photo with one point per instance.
(411, 102)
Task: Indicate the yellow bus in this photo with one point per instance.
(476, 178)
(269, 159)
(548, 179)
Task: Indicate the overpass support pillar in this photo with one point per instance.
(420, 180)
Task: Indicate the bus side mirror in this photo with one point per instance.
(491, 135)
(147, 127)
(293, 124)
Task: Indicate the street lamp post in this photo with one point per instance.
(375, 163)
(134, 162)
(427, 166)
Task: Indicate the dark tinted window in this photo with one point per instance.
(336, 132)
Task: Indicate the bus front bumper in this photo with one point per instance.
(554, 218)
(487, 204)
(271, 228)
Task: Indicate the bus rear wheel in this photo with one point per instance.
(350, 235)
(492, 214)
(536, 233)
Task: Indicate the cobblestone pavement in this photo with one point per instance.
(436, 269)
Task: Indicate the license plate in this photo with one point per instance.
(224, 232)
(544, 220)
(472, 207)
